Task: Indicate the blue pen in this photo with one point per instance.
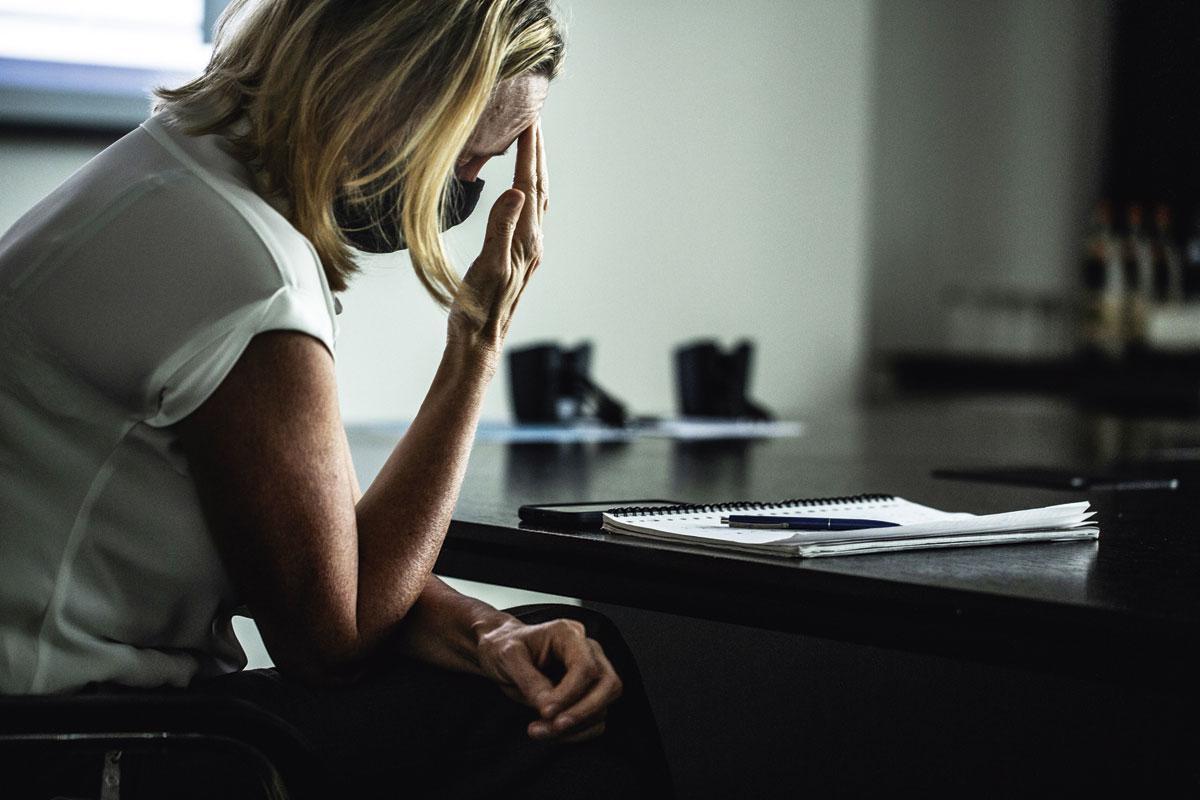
(803, 523)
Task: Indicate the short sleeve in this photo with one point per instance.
(188, 379)
(154, 302)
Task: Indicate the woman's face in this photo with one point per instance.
(513, 108)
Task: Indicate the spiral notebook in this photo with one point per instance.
(919, 527)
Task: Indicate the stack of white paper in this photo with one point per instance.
(919, 527)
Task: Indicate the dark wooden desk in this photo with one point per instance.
(1124, 607)
(994, 671)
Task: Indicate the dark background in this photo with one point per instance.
(1155, 112)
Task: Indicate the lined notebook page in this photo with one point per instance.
(707, 524)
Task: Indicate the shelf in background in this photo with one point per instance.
(1149, 383)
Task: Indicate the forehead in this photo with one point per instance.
(514, 106)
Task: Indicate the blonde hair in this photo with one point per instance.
(352, 98)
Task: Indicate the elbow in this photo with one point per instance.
(334, 659)
(324, 646)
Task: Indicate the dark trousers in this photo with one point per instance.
(418, 731)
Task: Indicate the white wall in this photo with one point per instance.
(707, 170)
(987, 138)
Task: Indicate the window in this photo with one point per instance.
(93, 64)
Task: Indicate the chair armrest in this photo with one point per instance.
(120, 721)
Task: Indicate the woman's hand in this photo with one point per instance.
(556, 670)
(512, 250)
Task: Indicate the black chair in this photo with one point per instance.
(129, 746)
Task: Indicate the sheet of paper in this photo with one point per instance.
(815, 550)
(915, 521)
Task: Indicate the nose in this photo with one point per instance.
(469, 171)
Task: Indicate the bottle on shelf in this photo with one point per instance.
(1167, 259)
(1138, 258)
(1191, 262)
(1101, 313)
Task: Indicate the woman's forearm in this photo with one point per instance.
(402, 518)
(444, 627)
(403, 515)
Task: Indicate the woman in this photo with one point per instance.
(171, 441)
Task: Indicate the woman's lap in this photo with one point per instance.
(422, 729)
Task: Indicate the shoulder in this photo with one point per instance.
(149, 271)
(213, 194)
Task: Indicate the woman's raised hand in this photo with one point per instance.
(512, 250)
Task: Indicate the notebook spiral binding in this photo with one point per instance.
(747, 505)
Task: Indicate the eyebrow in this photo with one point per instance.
(499, 153)
(476, 155)
(507, 147)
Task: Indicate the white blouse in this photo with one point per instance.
(126, 296)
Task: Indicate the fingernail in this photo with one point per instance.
(539, 729)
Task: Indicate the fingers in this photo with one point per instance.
(525, 177)
(591, 708)
(502, 223)
(542, 730)
(575, 709)
(570, 644)
(543, 175)
(512, 247)
(528, 180)
(532, 686)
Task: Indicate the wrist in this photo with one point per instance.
(487, 626)
(490, 620)
(475, 358)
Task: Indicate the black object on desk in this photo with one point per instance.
(552, 384)
(1062, 478)
(580, 516)
(714, 384)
